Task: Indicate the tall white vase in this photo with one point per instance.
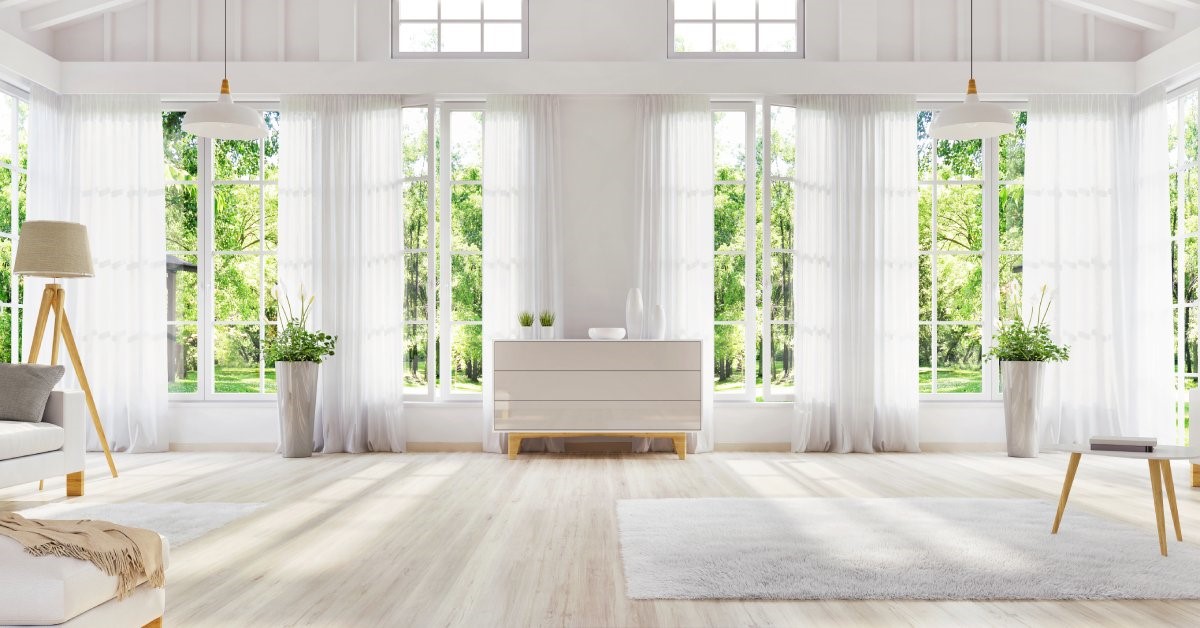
(1022, 395)
(656, 325)
(633, 314)
(297, 390)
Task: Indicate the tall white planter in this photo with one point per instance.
(297, 386)
(633, 314)
(1022, 382)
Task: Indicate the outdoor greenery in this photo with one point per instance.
(244, 238)
(1028, 340)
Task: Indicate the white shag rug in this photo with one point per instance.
(901, 548)
(177, 521)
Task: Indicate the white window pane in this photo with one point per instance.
(777, 37)
(418, 9)
(502, 9)
(693, 9)
(460, 9)
(693, 37)
(460, 38)
(777, 9)
(502, 37)
(729, 145)
(735, 9)
(735, 37)
(417, 37)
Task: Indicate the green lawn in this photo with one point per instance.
(952, 380)
(228, 380)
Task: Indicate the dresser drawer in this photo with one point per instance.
(591, 416)
(597, 385)
(593, 355)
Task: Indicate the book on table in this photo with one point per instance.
(1136, 444)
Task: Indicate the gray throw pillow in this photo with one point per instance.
(24, 389)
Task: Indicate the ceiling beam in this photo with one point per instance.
(1126, 11)
(63, 12)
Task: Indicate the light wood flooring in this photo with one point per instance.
(471, 539)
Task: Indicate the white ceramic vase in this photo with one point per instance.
(547, 333)
(1022, 383)
(633, 314)
(656, 325)
(297, 391)
(528, 333)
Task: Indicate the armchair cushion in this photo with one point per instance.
(24, 389)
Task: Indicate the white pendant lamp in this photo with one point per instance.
(225, 119)
(972, 119)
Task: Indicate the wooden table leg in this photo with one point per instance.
(1169, 481)
(514, 445)
(1072, 466)
(1156, 488)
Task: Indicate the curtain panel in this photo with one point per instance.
(341, 239)
(674, 195)
(522, 260)
(856, 275)
(98, 160)
(1097, 238)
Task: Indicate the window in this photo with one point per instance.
(14, 178)
(736, 28)
(1183, 191)
(222, 206)
(443, 240)
(779, 257)
(460, 28)
(970, 213)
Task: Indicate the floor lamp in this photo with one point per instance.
(58, 250)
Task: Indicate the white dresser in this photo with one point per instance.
(597, 387)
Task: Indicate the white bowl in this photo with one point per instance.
(606, 333)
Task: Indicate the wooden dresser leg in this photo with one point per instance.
(75, 484)
(1196, 476)
(157, 623)
(680, 445)
(514, 446)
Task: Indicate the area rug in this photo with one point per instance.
(179, 522)
(903, 548)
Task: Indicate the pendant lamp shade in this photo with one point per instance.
(972, 119)
(225, 119)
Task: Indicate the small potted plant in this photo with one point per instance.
(525, 320)
(1024, 348)
(546, 319)
(297, 353)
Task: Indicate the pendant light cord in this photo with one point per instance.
(226, 19)
(972, 38)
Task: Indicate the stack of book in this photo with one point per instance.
(1123, 443)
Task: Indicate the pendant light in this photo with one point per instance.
(225, 119)
(972, 119)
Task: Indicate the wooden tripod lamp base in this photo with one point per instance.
(54, 300)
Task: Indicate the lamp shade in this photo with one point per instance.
(972, 120)
(225, 119)
(50, 248)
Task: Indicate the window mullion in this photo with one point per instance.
(991, 239)
(204, 328)
(750, 307)
(768, 355)
(445, 329)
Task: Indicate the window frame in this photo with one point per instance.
(756, 21)
(430, 250)
(396, 20)
(16, 304)
(769, 178)
(991, 184)
(206, 256)
(1180, 305)
(749, 250)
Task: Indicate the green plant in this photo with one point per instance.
(1029, 340)
(525, 319)
(546, 318)
(295, 343)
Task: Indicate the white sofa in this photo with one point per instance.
(35, 451)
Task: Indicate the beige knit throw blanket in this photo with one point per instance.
(130, 554)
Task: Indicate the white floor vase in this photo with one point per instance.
(1022, 384)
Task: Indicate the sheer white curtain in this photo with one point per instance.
(522, 262)
(1096, 235)
(341, 237)
(98, 160)
(674, 187)
(856, 274)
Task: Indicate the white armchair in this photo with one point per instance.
(36, 451)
